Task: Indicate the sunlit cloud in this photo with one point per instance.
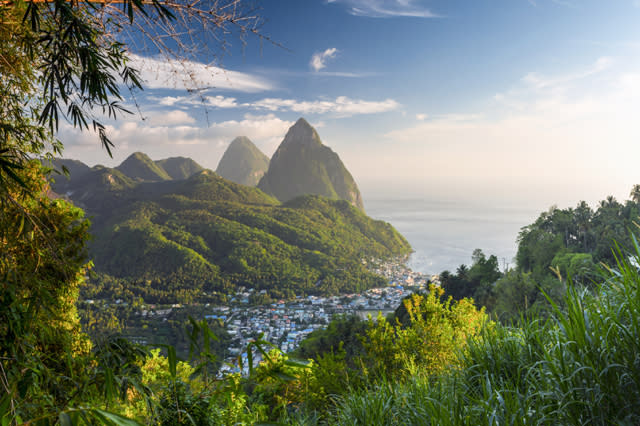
(160, 73)
(319, 59)
(204, 144)
(167, 100)
(558, 2)
(386, 8)
(538, 81)
(221, 102)
(341, 106)
(217, 101)
(344, 74)
(169, 118)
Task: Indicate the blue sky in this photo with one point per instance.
(518, 99)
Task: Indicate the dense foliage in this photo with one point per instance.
(578, 367)
(561, 244)
(42, 264)
(140, 167)
(575, 240)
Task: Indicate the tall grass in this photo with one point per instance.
(579, 367)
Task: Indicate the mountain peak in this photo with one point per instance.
(241, 140)
(302, 122)
(140, 167)
(139, 154)
(243, 162)
(303, 165)
(302, 132)
(179, 168)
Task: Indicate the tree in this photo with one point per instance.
(582, 218)
(516, 293)
(66, 60)
(635, 193)
(437, 330)
(42, 264)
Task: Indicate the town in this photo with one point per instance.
(285, 323)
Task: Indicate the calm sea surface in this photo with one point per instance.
(445, 233)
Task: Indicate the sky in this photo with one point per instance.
(518, 102)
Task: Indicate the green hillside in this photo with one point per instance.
(74, 167)
(139, 166)
(171, 241)
(179, 167)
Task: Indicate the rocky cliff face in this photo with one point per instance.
(303, 165)
(243, 162)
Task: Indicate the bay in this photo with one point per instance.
(444, 233)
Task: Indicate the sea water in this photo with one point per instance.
(444, 234)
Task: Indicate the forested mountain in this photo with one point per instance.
(74, 167)
(303, 165)
(139, 166)
(179, 167)
(243, 162)
(201, 237)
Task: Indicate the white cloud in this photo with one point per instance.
(221, 102)
(341, 106)
(558, 2)
(538, 81)
(160, 73)
(319, 59)
(421, 117)
(387, 8)
(343, 74)
(204, 144)
(170, 118)
(256, 127)
(168, 100)
(217, 101)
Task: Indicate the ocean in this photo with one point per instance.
(444, 234)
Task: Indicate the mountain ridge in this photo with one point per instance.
(200, 238)
(179, 168)
(139, 166)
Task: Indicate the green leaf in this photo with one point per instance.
(113, 419)
(173, 361)
(300, 363)
(64, 419)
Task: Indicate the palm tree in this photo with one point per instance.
(611, 201)
(462, 271)
(582, 217)
(635, 193)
